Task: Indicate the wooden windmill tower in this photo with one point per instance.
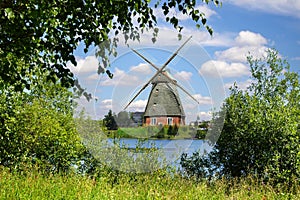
(164, 105)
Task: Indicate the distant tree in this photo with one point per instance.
(261, 133)
(172, 130)
(109, 121)
(203, 125)
(123, 119)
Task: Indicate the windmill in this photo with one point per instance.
(164, 104)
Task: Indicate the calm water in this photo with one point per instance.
(172, 149)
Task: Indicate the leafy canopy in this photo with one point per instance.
(261, 131)
(44, 34)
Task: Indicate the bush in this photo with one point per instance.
(260, 136)
(37, 128)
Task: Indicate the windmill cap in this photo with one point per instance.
(161, 77)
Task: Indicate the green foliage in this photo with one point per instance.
(172, 130)
(123, 119)
(200, 134)
(202, 129)
(176, 132)
(160, 131)
(155, 185)
(260, 136)
(45, 34)
(37, 126)
(109, 121)
(40, 135)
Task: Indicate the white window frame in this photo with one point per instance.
(170, 119)
(153, 120)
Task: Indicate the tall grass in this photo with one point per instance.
(113, 185)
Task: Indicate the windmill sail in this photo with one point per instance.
(159, 71)
(164, 105)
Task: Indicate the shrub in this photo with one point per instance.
(260, 136)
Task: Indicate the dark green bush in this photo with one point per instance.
(260, 136)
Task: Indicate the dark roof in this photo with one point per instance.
(164, 98)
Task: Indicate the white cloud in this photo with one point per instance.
(278, 7)
(250, 38)
(94, 76)
(231, 62)
(205, 115)
(143, 68)
(203, 100)
(138, 105)
(216, 68)
(84, 65)
(120, 78)
(239, 54)
(106, 104)
(183, 76)
(246, 42)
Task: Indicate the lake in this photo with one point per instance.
(171, 149)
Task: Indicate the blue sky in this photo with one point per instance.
(207, 66)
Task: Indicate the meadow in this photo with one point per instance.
(163, 132)
(114, 185)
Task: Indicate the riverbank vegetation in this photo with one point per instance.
(158, 132)
(110, 185)
(261, 131)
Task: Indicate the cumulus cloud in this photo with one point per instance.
(143, 68)
(205, 115)
(120, 78)
(138, 105)
(203, 100)
(246, 42)
(84, 65)
(239, 54)
(216, 68)
(231, 62)
(183, 76)
(278, 7)
(106, 104)
(250, 38)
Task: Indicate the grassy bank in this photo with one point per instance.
(158, 185)
(155, 132)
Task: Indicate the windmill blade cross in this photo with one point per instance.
(159, 70)
(176, 52)
(186, 92)
(148, 61)
(175, 83)
(137, 94)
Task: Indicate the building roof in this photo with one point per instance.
(164, 98)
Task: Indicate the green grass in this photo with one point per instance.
(158, 185)
(184, 132)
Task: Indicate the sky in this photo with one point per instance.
(206, 66)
